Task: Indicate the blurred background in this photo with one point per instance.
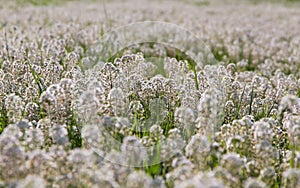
(196, 2)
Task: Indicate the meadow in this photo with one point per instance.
(154, 94)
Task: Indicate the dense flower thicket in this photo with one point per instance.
(232, 124)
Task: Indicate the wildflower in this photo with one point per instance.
(59, 135)
(201, 180)
(268, 176)
(14, 107)
(134, 152)
(234, 163)
(32, 111)
(185, 117)
(199, 150)
(139, 179)
(156, 131)
(254, 183)
(158, 182)
(32, 181)
(291, 177)
(34, 138)
(117, 101)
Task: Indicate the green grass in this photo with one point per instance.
(265, 112)
(239, 105)
(156, 168)
(3, 119)
(74, 130)
(41, 2)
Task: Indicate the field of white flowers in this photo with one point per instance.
(92, 94)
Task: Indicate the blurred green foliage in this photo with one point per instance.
(40, 2)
